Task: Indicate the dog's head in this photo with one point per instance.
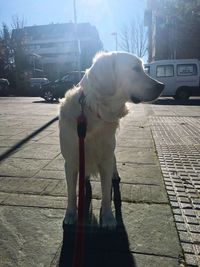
(122, 74)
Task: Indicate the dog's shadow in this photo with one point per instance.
(102, 248)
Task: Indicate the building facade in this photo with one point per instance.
(173, 32)
(52, 49)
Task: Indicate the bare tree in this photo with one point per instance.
(125, 39)
(22, 65)
(17, 22)
(134, 38)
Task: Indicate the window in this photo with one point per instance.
(165, 71)
(48, 45)
(186, 69)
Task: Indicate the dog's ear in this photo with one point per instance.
(102, 74)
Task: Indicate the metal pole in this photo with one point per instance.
(75, 16)
(116, 40)
(78, 47)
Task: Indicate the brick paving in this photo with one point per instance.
(177, 141)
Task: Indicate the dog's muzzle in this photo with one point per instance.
(149, 94)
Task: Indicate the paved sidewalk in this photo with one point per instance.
(33, 193)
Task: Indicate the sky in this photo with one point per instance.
(107, 15)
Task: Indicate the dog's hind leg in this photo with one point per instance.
(115, 171)
(71, 212)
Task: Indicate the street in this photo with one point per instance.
(158, 158)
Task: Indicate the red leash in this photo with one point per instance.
(78, 258)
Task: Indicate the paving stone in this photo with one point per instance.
(191, 260)
(135, 193)
(50, 174)
(21, 167)
(132, 155)
(177, 211)
(3, 196)
(137, 174)
(17, 185)
(145, 232)
(49, 140)
(138, 143)
(188, 247)
(194, 228)
(28, 200)
(29, 236)
(38, 151)
(189, 212)
(154, 261)
(181, 226)
(55, 165)
(178, 218)
(192, 220)
(55, 187)
(196, 237)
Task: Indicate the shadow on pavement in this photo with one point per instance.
(103, 248)
(171, 101)
(45, 102)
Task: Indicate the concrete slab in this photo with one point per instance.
(135, 193)
(38, 201)
(50, 174)
(50, 187)
(136, 155)
(29, 236)
(143, 260)
(134, 142)
(140, 174)
(21, 167)
(38, 151)
(147, 225)
(57, 164)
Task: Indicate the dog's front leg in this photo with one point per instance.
(71, 176)
(107, 217)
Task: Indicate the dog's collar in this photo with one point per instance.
(82, 103)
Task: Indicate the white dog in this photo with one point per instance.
(113, 79)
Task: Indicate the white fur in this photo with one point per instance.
(112, 80)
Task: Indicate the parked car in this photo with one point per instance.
(4, 87)
(34, 86)
(180, 76)
(58, 88)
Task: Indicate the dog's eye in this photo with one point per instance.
(137, 69)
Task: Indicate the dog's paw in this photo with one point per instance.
(70, 218)
(108, 220)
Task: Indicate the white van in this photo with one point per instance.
(181, 77)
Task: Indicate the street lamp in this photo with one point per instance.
(116, 40)
(78, 47)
